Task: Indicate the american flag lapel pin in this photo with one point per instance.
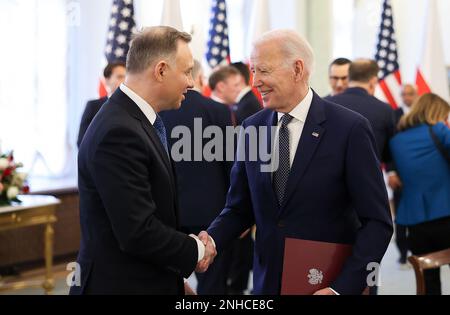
(315, 135)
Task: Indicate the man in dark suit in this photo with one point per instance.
(225, 87)
(202, 185)
(409, 96)
(328, 185)
(247, 103)
(114, 74)
(338, 76)
(363, 76)
(128, 196)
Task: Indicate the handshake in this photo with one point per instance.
(210, 252)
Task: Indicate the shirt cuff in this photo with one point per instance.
(200, 246)
(334, 291)
(392, 173)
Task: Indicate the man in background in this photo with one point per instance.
(114, 74)
(359, 97)
(202, 185)
(247, 103)
(338, 76)
(409, 96)
(225, 85)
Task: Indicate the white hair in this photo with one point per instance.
(292, 45)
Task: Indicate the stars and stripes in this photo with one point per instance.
(218, 51)
(121, 28)
(387, 59)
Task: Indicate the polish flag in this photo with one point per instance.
(431, 72)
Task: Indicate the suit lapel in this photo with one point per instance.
(134, 111)
(311, 136)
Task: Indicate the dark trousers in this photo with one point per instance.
(401, 232)
(241, 263)
(429, 237)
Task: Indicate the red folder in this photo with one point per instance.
(310, 265)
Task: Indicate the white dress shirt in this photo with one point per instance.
(150, 113)
(299, 114)
(217, 99)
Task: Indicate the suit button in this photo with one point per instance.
(281, 224)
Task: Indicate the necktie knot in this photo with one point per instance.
(285, 120)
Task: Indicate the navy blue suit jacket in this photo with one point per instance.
(128, 208)
(91, 109)
(335, 193)
(379, 114)
(202, 185)
(246, 107)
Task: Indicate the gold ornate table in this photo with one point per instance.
(34, 210)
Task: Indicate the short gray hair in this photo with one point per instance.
(153, 44)
(292, 45)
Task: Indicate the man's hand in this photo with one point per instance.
(210, 252)
(326, 291)
(394, 182)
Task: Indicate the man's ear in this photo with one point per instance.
(299, 69)
(219, 86)
(160, 70)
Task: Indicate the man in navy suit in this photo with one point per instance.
(359, 97)
(338, 76)
(328, 185)
(202, 185)
(114, 74)
(409, 96)
(247, 103)
(128, 195)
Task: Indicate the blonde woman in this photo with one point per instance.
(421, 152)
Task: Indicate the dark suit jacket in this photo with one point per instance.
(202, 185)
(379, 114)
(246, 107)
(91, 109)
(335, 193)
(128, 208)
(398, 114)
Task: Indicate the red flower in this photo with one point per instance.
(7, 172)
(26, 189)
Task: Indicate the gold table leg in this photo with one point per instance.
(49, 283)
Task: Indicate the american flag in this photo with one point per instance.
(218, 44)
(387, 59)
(121, 28)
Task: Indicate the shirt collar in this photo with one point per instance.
(217, 99)
(300, 112)
(145, 107)
(243, 93)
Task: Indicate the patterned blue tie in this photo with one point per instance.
(161, 131)
(281, 175)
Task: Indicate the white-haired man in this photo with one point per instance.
(328, 185)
